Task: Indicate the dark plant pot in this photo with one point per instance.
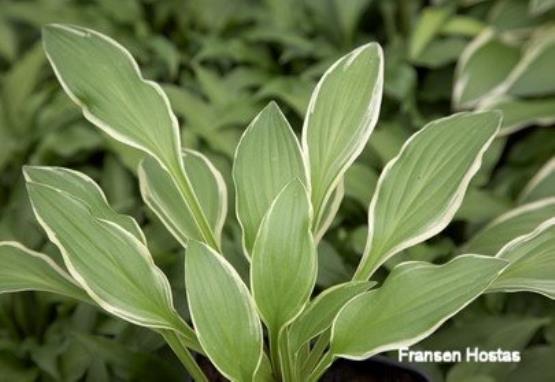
(375, 369)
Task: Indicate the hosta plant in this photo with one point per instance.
(272, 326)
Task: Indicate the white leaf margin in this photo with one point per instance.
(447, 214)
(88, 180)
(222, 196)
(41, 257)
(373, 112)
(315, 252)
(547, 169)
(101, 124)
(244, 291)
(515, 243)
(413, 340)
(141, 249)
(306, 181)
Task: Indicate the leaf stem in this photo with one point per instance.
(186, 189)
(320, 369)
(317, 350)
(274, 352)
(284, 356)
(184, 355)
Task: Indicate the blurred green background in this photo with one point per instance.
(220, 62)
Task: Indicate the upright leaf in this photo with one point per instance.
(532, 266)
(223, 313)
(283, 269)
(113, 266)
(105, 81)
(84, 189)
(267, 158)
(341, 115)
(509, 226)
(420, 190)
(23, 269)
(163, 197)
(102, 78)
(414, 301)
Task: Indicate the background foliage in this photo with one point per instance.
(220, 62)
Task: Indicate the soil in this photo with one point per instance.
(377, 369)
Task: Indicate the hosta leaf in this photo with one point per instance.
(538, 7)
(223, 313)
(510, 225)
(283, 269)
(536, 365)
(23, 269)
(413, 302)
(420, 190)
(542, 185)
(521, 113)
(104, 80)
(115, 268)
(162, 196)
(84, 189)
(267, 158)
(531, 77)
(532, 258)
(319, 314)
(485, 63)
(341, 116)
(429, 24)
(330, 211)
(513, 334)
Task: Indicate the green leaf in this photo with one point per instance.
(532, 267)
(538, 7)
(23, 269)
(360, 182)
(485, 64)
(267, 158)
(163, 197)
(413, 302)
(102, 78)
(223, 313)
(536, 365)
(138, 365)
(521, 113)
(283, 269)
(429, 24)
(112, 265)
(420, 190)
(341, 115)
(18, 85)
(513, 335)
(542, 185)
(319, 313)
(531, 77)
(510, 225)
(86, 191)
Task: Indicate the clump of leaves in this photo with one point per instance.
(287, 194)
